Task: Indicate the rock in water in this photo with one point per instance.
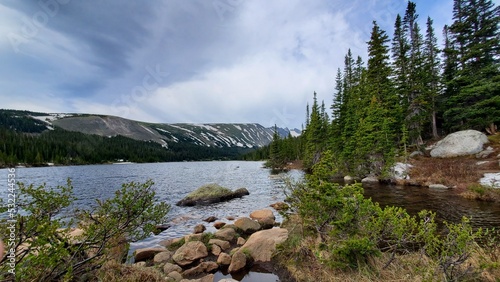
(211, 193)
(461, 143)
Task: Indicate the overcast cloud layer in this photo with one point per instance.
(186, 61)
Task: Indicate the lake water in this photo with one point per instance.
(173, 181)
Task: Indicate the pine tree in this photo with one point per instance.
(476, 84)
(376, 133)
(432, 75)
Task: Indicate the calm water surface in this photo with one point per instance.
(173, 181)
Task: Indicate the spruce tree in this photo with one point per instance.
(431, 75)
(476, 84)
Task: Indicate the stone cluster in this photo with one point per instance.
(232, 248)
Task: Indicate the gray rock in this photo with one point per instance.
(238, 262)
(175, 275)
(170, 267)
(262, 244)
(224, 259)
(200, 228)
(140, 264)
(416, 154)
(461, 143)
(227, 234)
(370, 179)
(162, 257)
(224, 245)
(211, 193)
(147, 253)
(486, 153)
(247, 225)
(438, 186)
(190, 252)
(348, 178)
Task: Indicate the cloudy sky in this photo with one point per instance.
(200, 61)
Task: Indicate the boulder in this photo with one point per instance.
(262, 244)
(486, 153)
(219, 224)
(216, 250)
(211, 193)
(461, 143)
(370, 180)
(175, 275)
(261, 214)
(169, 242)
(204, 267)
(238, 262)
(227, 234)
(415, 154)
(279, 206)
(190, 252)
(140, 264)
(193, 237)
(200, 228)
(224, 259)
(241, 241)
(401, 171)
(247, 225)
(348, 178)
(438, 186)
(162, 257)
(266, 223)
(147, 253)
(170, 267)
(224, 245)
(210, 219)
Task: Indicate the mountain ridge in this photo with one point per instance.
(217, 135)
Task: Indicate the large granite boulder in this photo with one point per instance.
(262, 244)
(461, 143)
(211, 193)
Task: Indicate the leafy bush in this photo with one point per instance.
(46, 250)
(350, 229)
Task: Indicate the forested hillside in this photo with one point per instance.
(410, 90)
(31, 138)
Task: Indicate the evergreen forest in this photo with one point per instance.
(410, 90)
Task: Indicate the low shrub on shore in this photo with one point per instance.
(338, 235)
(49, 249)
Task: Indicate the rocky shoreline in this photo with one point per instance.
(233, 248)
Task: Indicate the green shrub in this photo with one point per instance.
(46, 250)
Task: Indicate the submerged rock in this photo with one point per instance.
(211, 193)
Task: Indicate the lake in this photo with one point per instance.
(173, 181)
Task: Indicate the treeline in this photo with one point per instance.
(66, 148)
(410, 91)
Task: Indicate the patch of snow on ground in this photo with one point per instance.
(147, 129)
(181, 128)
(163, 130)
(491, 180)
(401, 170)
(237, 126)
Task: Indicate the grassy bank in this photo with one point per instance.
(301, 258)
